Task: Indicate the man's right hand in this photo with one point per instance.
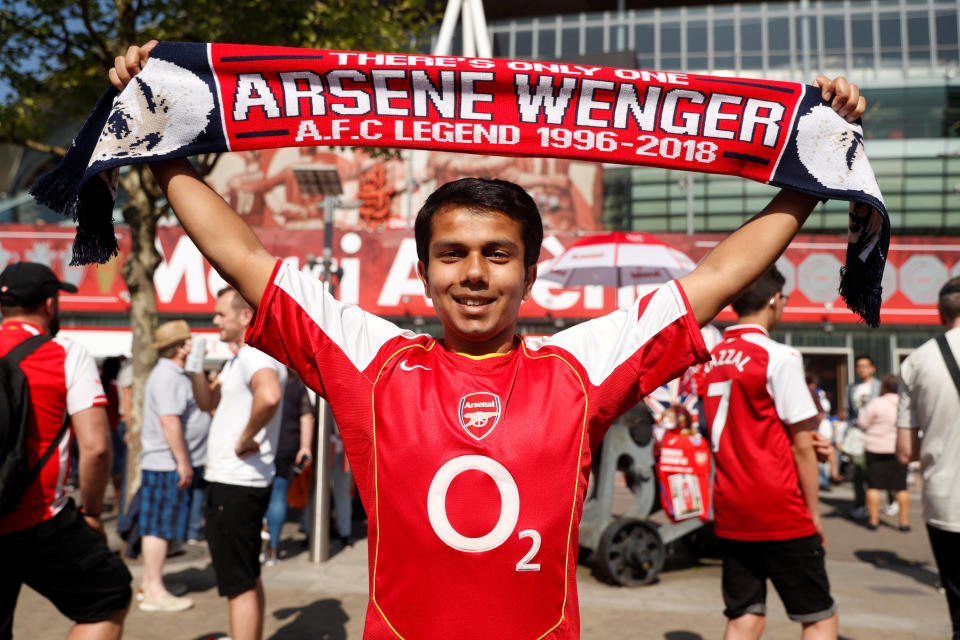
(129, 65)
(185, 476)
(823, 536)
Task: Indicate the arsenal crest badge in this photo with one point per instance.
(479, 413)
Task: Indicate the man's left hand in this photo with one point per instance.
(823, 446)
(246, 447)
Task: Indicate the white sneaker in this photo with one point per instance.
(892, 509)
(166, 602)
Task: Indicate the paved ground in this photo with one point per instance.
(884, 582)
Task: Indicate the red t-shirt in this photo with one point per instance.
(63, 380)
(473, 470)
(755, 387)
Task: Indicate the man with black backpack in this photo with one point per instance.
(46, 385)
(929, 405)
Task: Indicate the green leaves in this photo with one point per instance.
(54, 54)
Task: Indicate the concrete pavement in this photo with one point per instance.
(884, 582)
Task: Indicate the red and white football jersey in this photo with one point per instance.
(63, 380)
(473, 470)
(755, 387)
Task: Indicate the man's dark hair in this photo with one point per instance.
(171, 349)
(758, 294)
(12, 310)
(482, 195)
(949, 300)
(863, 356)
(110, 369)
(889, 383)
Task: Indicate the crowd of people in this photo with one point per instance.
(426, 424)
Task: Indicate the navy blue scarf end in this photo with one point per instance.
(858, 292)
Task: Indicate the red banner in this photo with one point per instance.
(379, 273)
(282, 97)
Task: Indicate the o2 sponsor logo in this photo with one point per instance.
(509, 509)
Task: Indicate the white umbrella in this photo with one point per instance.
(617, 259)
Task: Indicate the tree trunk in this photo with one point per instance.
(138, 269)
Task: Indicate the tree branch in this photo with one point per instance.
(88, 23)
(33, 144)
(33, 32)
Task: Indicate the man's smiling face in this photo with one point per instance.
(476, 278)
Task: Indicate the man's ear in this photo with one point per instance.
(422, 274)
(50, 306)
(529, 278)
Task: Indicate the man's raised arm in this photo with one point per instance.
(220, 234)
(750, 250)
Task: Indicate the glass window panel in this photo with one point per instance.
(861, 32)
(723, 222)
(723, 44)
(594, 39)
(643, 45)
(924, 166)
(778, 34)
(751, 62)
(570, 41)
(833, 37)
(651, 225)
(671, 63)
(697, 64)
(946, 34)
(546, 44)
(751, 35)
(696, 37)
(501, 44)
(890, 41)
(723, 35)
(779, 61)
(798, 26)
(923, 219)
(946, 28)
(524, 44)
(670, 38)
(918, 34)
(725, 187)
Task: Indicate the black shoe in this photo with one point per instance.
(904, 528)
(872, 526)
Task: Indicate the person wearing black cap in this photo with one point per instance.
(930, 403)
(46, 542)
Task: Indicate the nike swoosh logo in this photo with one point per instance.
(411, 367)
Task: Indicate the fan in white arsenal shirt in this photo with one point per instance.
(473, 529)
(763, 422)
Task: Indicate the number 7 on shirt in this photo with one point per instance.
(721, 389)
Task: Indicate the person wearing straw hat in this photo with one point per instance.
(169, 410)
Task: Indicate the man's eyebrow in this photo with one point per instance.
(492, 244)
(504, 244)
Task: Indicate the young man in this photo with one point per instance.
(762, 421)
(240, 453)
(930, 403)
(858, 395)
(46, 542)
(472, 453)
